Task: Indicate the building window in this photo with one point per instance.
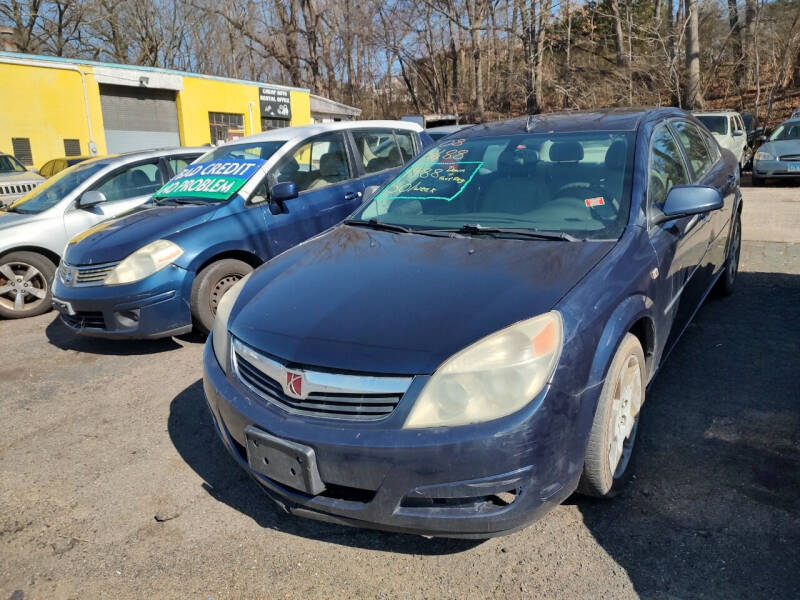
(22, 150)
(72, 147)
(267, 124)
(225, 127)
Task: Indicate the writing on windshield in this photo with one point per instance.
(216, 180)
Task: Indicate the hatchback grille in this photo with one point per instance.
(83, 320)
(16, 189)
(790, 157)
(84, 276)
(329, 395)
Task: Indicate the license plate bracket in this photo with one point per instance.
(289, 463)
(63, 306)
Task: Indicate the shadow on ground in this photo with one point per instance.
(62, 337)
(714, 507)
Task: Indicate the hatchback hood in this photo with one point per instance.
(378, 302)
(115, 239)
(780, 147)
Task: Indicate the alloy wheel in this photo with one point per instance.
(22, 286)
(626, 403)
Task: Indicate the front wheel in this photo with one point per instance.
(26, 279)
(210, 285)
(616, 421)
(728, 278)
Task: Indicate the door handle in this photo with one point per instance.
(352, 195)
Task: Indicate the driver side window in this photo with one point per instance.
(666, 167)
(137, 180)
(316, 164)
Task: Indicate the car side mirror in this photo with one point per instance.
(91, 198)
(738, 133)
(761, 139)
(281, 192)
(687, 200)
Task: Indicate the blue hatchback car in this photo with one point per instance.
(162, 269)
(475, 343)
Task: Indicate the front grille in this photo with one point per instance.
(84, 276)
(790, 157)
(16, 189)
(329, 395)
(84, 320)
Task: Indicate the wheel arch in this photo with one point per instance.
(49, 254)
(250, 258)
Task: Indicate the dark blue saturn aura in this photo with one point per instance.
(475, 342)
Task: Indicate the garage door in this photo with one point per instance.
(138, 118)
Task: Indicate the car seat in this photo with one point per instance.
(332, 169)
(515, 189)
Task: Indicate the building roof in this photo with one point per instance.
(327, 106)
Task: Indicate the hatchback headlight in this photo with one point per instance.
(492, 378)
(219, 332)
(764, 156)
(144, 262)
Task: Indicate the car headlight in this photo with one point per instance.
(764, 156)
(144, 262)
(493, 377)
(219, 332)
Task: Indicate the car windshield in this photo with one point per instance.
(576, 184)
(9, 164)
(262, 150)
(53, 190)
(787, 131)
(715, 124)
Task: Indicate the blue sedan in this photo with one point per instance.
(475, 343)
(779, 157)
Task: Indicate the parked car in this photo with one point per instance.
(163, 270)
(795, 114)
(729, 131)
(56, 165)
(35, 228)
(15, 179)
(779, 156)
(475, 343)
(438, 133)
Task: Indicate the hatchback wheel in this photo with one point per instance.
(210, 285)
(616, 421)
(25, 280)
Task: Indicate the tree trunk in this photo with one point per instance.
(750, 7)
(619, 39)
(736, 45)
(694, 97)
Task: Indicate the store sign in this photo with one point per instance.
(275, 103)
(216, 179)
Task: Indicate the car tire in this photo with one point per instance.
(757, 181)
(208, 288)
(26, 281)
(727, 280)
(616, 421)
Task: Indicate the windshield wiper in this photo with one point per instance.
(165, 201)
(474, 229)
(375, 224)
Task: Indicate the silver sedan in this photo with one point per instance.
(35, 229)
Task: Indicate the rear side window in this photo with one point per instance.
(666, 167)
(138, 180)
(378, 150)
(179, 163)
(695, 146)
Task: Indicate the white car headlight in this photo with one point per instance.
(493, 377)
(219, 332)
(764, 156)
(144, 262)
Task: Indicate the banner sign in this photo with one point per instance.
(275, 103)
(216, 179)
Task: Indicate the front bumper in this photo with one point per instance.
(776, 168)
(157, 306)
(440, 482)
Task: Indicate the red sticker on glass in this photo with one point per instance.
(590, 202)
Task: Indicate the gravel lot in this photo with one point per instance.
(113, 485)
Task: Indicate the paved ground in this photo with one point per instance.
(99, 440)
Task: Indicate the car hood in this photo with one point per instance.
(781, 147)
(115, 239)
(26, 177)
(12, 219)
(370, 301)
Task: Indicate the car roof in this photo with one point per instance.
(448, 128)
(304, 131)
(125, 157)
(714, 113)
(607, 119)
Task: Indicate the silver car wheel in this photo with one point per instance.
(626, 403)
(22, 286)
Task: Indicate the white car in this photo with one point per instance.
(15, 179)
(728, 129)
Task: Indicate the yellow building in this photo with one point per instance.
(53, 107)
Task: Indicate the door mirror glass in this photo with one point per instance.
(281, 192)
(686, 200)
(738, 133)
(91, 198)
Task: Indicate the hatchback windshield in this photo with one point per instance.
(9, 164)
(262, 150)
(52, 191)
(576, 184)
(787, 131)
(715, 124)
